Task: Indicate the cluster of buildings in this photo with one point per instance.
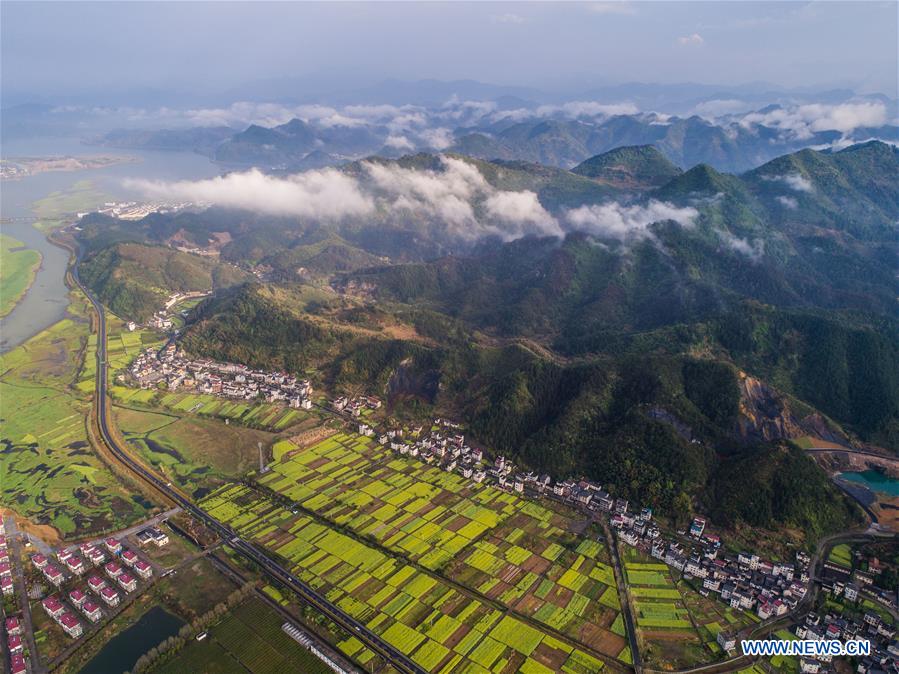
(204, 375)
(136, 210)
(354, 406)
(121, 571)
(444, 446)
(15, 646)
(6, 582)
(884, 655)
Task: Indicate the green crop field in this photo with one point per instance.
(413, 552)
(196, 453)
(678, 626)
(265, 416)
(48, 471)
(250, 639)
(842, 555)
(18, 266)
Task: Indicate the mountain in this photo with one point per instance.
(135, 280)
(727, 146)
(639, 167)
(202, 139)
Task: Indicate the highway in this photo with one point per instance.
(247, 549)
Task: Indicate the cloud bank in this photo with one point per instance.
(456, 197)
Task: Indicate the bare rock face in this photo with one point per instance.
(767, 414)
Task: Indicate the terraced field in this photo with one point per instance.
(398, 545)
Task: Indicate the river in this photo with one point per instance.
(46, 300)
(123, 650)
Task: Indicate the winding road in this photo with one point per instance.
(243, 547)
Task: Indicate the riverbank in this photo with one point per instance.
(19, 266)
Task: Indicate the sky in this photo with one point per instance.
(53, 50)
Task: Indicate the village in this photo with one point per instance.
(171, 367)
(78, 587)
(769, 589)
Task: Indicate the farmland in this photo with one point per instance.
(677, 627)
(18, 265)
(195, 452)
(249, 638)
(48, 471)
(249, 413)
(408, 549)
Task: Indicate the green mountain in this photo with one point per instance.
(638, 167)
(134, 280)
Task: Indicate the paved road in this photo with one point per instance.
(243, 547)
(629, 622)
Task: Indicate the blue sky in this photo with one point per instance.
(52, 49)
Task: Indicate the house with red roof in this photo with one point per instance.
(113, 545)
(127, 582)
(75, 564)
(129, 557)
(13, 626)
(5, 570)
(39, 561)
(53, 607)
(17, 664)
(95, 583)
(110, 596)
(53, 574)
(14, 644)
(113, 569)
(77, 597)
(143, 569)
(6, 585)
(71, 625)
(92, 610)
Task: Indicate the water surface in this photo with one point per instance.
(123, 650)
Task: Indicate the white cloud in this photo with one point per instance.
(588, 109)
(439, 138)
(803, 121)
(326, 193)
(754, 251)
(798, 182)
(692, 40)
(399, 143)
(456, 197)
(522, 209)
(614, 221)
(788, 202)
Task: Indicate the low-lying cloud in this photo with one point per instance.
(754, 250)
(456, 196)
(627, 223)
(803, 121)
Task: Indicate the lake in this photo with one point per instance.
(120, 654)
(45, 302)
(874, 480)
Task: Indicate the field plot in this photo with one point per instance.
(677, 626)
(48, 471)
(376, 534)
(18, 265)
(197, 453)
(250, 638)
(261, 415)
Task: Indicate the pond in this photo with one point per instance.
(120, 654)
(875, 481)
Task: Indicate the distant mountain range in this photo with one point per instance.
(553, 136)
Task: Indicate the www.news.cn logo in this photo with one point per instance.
(808, 649)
